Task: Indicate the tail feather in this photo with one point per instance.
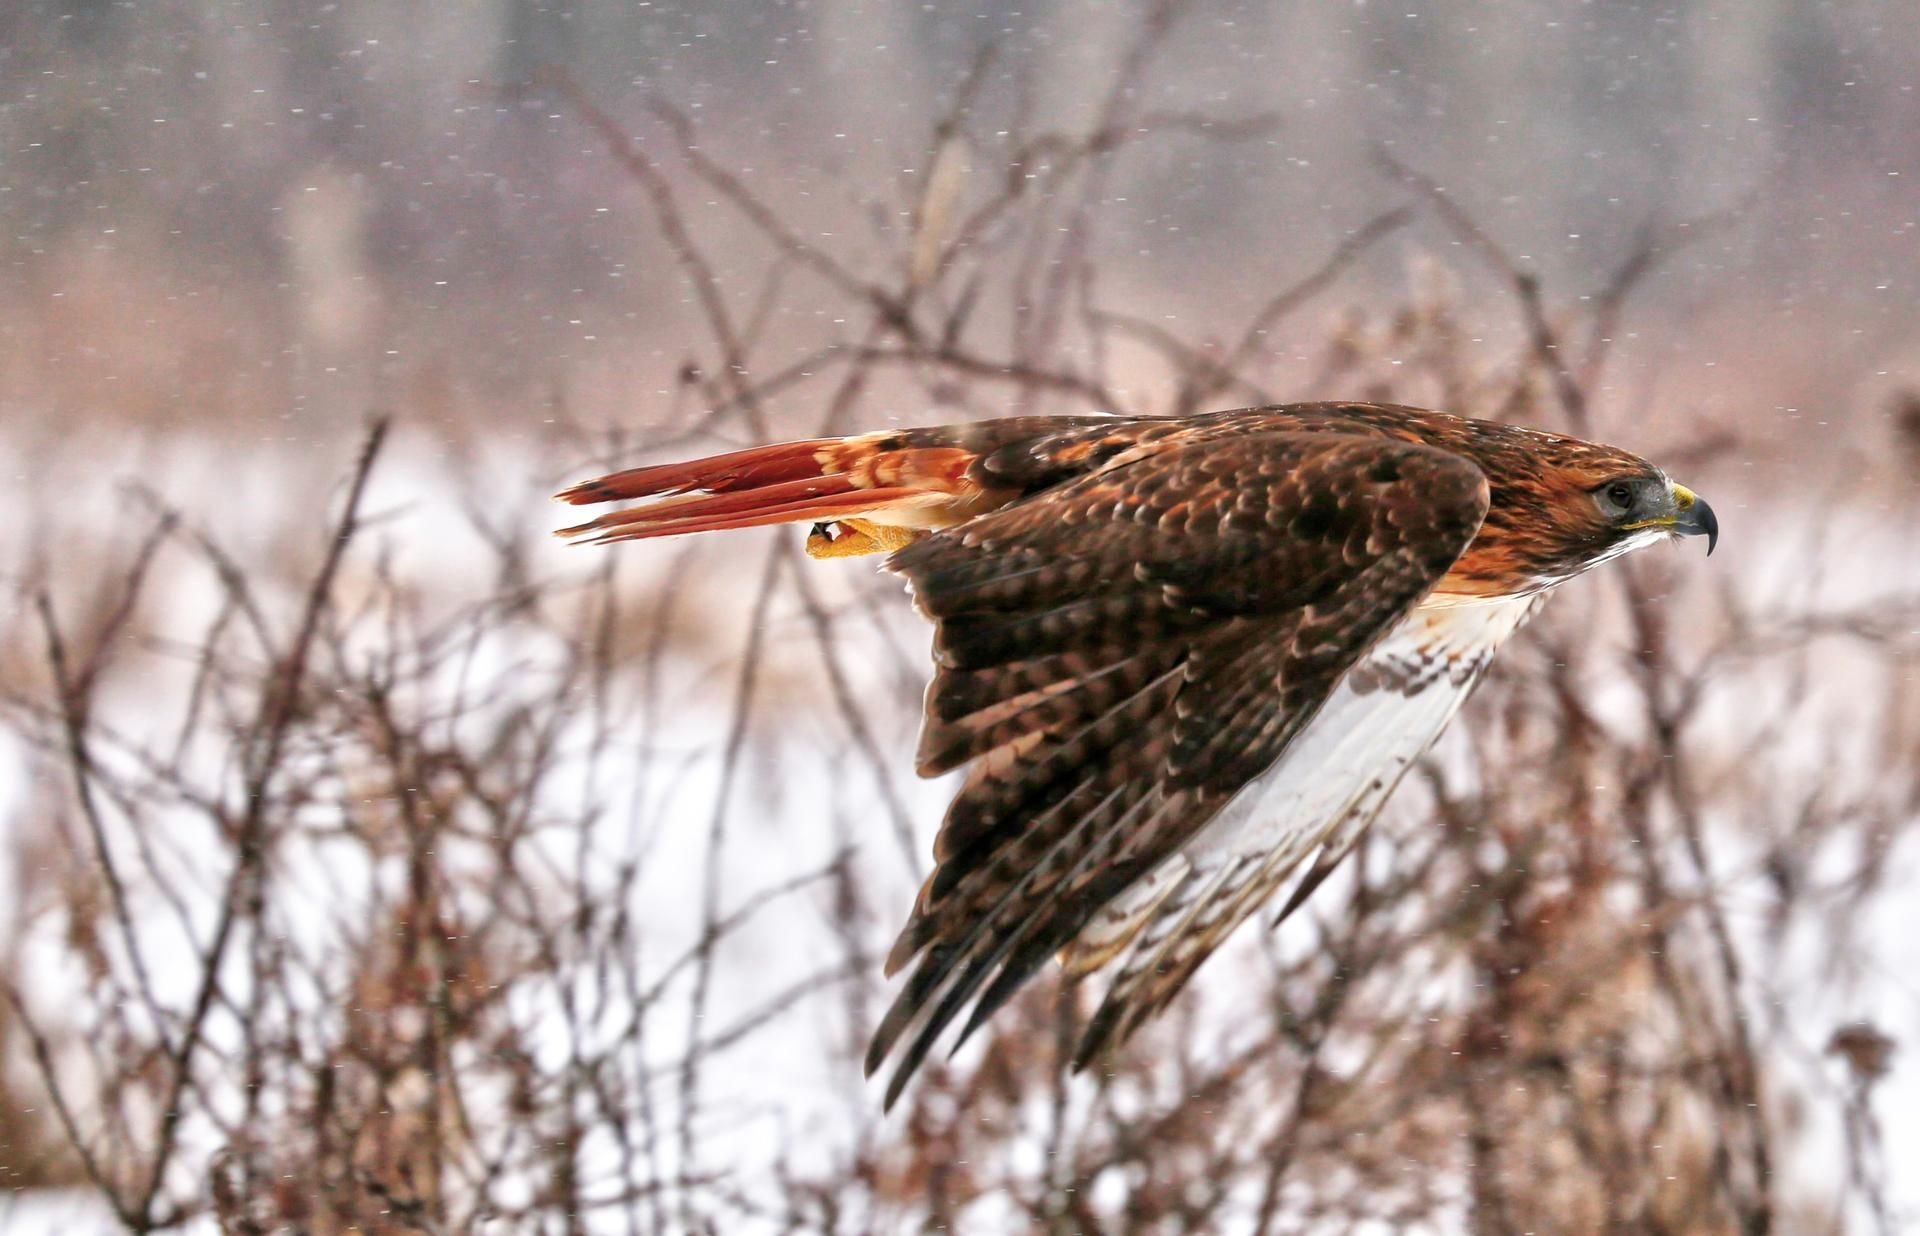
(819, 480)
(754, 468)
(674, 519)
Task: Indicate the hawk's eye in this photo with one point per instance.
(1616, 498)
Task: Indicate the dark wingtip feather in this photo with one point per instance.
(1093, 1040)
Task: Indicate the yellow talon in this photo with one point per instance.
(849, 538)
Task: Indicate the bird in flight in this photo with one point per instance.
(1182, 660)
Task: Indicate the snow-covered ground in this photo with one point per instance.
(789, 1090)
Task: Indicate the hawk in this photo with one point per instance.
(1182, 660)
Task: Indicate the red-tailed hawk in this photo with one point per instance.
(1182, 660)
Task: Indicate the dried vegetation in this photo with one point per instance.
(338, 916)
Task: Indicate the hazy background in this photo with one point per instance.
(232, 232)
(259, 218)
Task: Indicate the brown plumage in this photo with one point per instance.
(1139, 627)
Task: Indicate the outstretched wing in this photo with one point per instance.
(1119, 654)
(1316, 801)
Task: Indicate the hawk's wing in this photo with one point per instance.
(1119, 654)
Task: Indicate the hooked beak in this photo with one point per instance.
(1693, 517)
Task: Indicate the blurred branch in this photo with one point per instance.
(73, 691)
(278, 709)
(1525, 285)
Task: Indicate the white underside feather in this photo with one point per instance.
(1331, 782)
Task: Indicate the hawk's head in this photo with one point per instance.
(1558, 506)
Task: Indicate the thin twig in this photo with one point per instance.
(278, 710)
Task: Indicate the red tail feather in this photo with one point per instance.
(826, 499)
(816, 481)
(749, 469)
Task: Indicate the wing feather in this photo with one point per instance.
(1316, 803)
(1120, 653)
